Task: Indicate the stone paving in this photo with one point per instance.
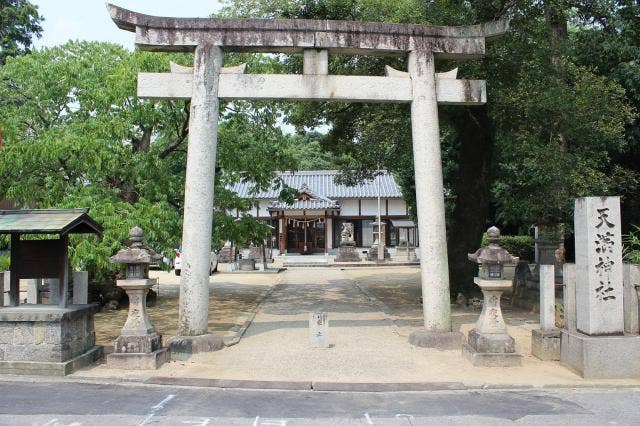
(371, 313)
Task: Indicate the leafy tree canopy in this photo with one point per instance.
(19, 24)
(77, 135)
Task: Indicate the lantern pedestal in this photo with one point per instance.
(139, 346)
(489, 344)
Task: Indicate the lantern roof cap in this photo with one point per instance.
(137, 252)
(493, 253)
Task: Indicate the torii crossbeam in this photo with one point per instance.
(208, 81)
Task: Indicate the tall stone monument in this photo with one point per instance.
(599, 348)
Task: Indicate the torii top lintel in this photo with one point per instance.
(278, 35)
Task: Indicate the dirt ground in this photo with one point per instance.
(233, 299)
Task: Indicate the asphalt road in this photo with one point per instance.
(63, 403)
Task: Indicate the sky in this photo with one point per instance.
(89, 20)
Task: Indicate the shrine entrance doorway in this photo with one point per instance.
(306, 236)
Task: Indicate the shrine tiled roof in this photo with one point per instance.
(322, 182)
(312, 204)
(52, 221)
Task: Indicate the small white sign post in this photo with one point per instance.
(319, 329)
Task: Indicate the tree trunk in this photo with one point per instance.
(472, 189)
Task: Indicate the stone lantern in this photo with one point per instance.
(139, 345)
(489, 344)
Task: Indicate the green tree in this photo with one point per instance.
(77, 136)
(308, 150)
(19, 24)
(610, 46)
(549, 132)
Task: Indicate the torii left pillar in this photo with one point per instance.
(193, 329)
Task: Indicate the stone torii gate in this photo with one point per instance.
(208, 81)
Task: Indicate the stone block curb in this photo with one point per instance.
(229, 384)
(308, 385)
(387, 387)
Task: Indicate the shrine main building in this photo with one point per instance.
(312, 222)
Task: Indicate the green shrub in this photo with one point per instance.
(521, 246)
(4, 263)
(631, 243)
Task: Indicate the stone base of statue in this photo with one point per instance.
(601, 357)
(348, 253)
(182, 347)
(226, 254)
(139, 346)
(440, 340)
(406, 252)
(545, 344)
(372, 255)
(247, 264)
(489, 344)
(139, 353)
(491, 350)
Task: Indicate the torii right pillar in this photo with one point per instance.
(427, 159)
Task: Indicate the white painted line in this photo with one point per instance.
(369, 421)
(161, 403)
(155, 408)
(409, 417)
(269, 422)
(203, 422)
(50, 422)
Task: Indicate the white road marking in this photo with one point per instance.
(369, 421)
(50, 422)
(155, 408)
(160, 405)
(203, 422)
(409, 417)
(269, 422)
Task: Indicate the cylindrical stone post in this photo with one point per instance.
(547, 298)
(198, 200)
(429, 193)
(32, 291)
(80, 287)
(569, 295)
(631, 278)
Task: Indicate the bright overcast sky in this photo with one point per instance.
(88, 19)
